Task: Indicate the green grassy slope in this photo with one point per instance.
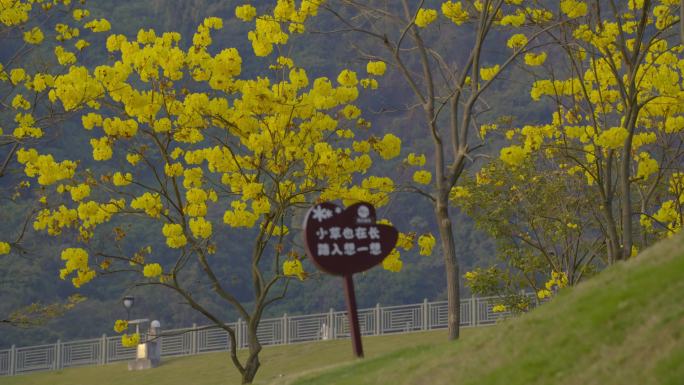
(278, 362)
(625, 326)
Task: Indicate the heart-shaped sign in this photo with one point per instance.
(347, 241)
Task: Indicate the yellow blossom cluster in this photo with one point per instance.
(76, 260)
(239, 216)
(516, 19)
(455, 12)
(517, 41)
(130, 341)
(373, 189)
(557, 281)
(612, 138)
(34, 36)
(245, 12)
(294, 267)
(405, 241)
(152, 270)
(415, 160)
(459, 192)
(197, 198)
(120, 325)
(92, 213)
(120, 128)
(175, 237)
(268, 29)
(120, 179)
(26, 122)
(426, 242)
(392, 262)
(45, 167)
(200, 227)
(377, 68)
(388, 147)
(148, 202)
(55, 221)
(98, 25)
(76, 87)
(78, 192)
(488, 73)
(513, 155)
(646, 166)
(425, 16)
(573, 8)
(422, 177)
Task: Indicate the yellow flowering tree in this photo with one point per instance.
(184, 144)
(543, 225)
(447, 81)
(616, 129)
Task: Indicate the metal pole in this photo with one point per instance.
(333, 333)
(426, 315)
(286, 331)
(353, 316)
(103, 350)
(238, 333)
(193, 341)
(378, 319)
(12, 360)
(473, 311)
(58, 356)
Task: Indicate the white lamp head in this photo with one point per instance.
(128, 302)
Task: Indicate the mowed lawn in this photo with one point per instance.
(278, 363)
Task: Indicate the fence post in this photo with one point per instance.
(473, 311)
(238, 333)
(12, 360)
(193, 339)
(333, 329)
(286, 330)
(426, 315)
(103, 350)
(58, 356)
(378, 319)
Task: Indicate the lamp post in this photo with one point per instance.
(128, 304)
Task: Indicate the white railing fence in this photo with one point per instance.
(272, 331)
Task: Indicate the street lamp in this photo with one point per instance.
(128, 304)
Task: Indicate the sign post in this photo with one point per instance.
(344, 242)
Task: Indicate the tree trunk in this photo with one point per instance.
(252, 364)
(626, 198)
(613, 239)
(451, 265)
(251, 367)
